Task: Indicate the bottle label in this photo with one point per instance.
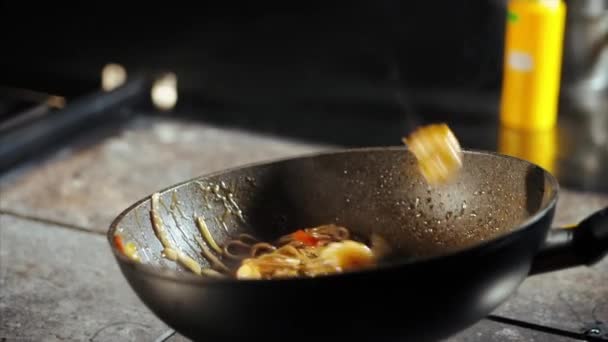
(520, 61)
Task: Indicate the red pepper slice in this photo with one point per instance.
(305, 238)
(119, 244)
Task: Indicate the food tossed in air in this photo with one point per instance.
(438, 152)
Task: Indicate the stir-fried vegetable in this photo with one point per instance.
(305, 238)
(129, 249)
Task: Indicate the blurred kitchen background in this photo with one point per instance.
(344, 73)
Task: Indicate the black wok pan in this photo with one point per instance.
(464, 247)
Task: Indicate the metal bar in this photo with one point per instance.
(24, 142)
(21, 118)
(53, 101)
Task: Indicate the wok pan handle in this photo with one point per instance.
(585, 244)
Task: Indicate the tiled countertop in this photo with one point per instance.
(59, 281)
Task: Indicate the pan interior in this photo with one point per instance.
(377, 190)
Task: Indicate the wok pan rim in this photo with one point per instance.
(190, 278)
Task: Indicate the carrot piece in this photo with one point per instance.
(119, 244)
(305, 238)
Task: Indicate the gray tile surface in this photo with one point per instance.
(484, 331)
(89, 187)
(574, 206)
(497, 332)
(57, 284)
(574, 299)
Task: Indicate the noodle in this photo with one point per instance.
(248, 238)
(335, 232)
(246, 250)
(310, 252)
(212, 258)
(261, 247)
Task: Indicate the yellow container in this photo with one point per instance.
(532, 64)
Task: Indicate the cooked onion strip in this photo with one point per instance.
(202, 226)
(189, 263)
(170, 254)
(212, 273)
(159, 228)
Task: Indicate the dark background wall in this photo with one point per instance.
(227, 50)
